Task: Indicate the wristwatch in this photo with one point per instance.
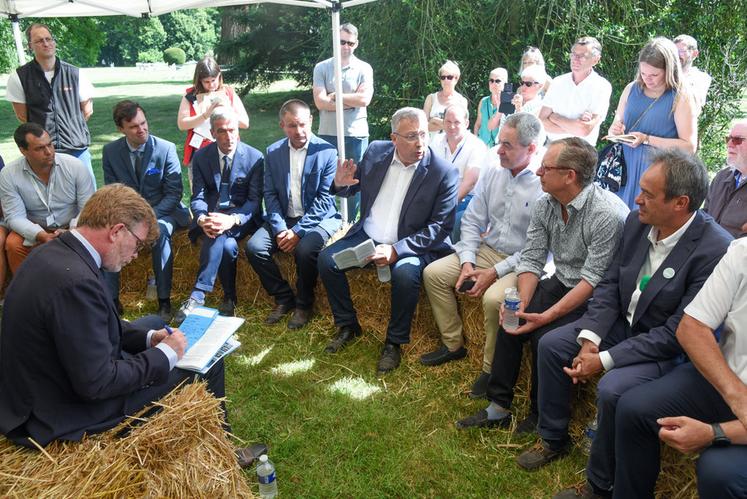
(719, 437)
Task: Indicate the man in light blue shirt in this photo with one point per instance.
(494, 229)
(42, 193)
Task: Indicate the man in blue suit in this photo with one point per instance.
(668, 250)
(301, 213)
(226, 206)
(408, 205)
(150, 166)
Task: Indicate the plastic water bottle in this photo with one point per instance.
(510, 306)
(150, 292)
(589, 433)
(385, 274)
(268, 486)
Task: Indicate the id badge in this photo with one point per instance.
(50, 220)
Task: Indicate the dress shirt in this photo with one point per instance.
(583, 247)
(28, 203)
(297, 161)
(166, 349)
(658, 251)
(503, 204)
(382, 221)
(221, 162)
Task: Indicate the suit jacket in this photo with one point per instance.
(727, 203)
(67, 362)
(245, 191)
(662, 303)
(318, 173)
(429, 208)
(161, 181)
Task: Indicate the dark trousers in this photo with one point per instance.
(260, 248)
(506, 365)
(406, 278)
(722, 472)
(557, 350)
(218, 259)
(163, 262)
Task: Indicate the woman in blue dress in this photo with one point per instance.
(657, 110)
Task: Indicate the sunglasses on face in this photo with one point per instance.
(528, 83)
(737, 141)
(348, 43)
(495, 80)
(447, 77)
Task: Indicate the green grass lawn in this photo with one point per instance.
(398, 442)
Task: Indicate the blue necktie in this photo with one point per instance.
(737, 177)
(224, 200)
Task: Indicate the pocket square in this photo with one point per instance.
(153, 170)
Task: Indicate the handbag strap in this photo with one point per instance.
(643, 113)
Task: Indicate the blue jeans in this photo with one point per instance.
(354, 149)
(461, 208)
(85, 156)
(406, 278)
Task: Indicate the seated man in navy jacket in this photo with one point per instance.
(150, 166)
(408, 205)
(668, 250)
(226, 206)
(301, 213)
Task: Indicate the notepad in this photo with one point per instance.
(207, 334)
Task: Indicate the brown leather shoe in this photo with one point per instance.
(277, 314)
(247, 455)
(540, 455)
(581, 491)
(390, 358)
(299, 318)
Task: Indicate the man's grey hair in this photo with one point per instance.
(459, 109)
(688, 40)
(579, 156)
(684, 175)
(223, 113)
(592, 43)
(407, 114)
(529, 129)
(349, 28)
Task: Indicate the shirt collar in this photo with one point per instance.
(229, 156)
(672, 240)
(304, 148)
(396, 159)
(140, 148)
(580, 200)
(94, 254)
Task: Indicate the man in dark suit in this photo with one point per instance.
(150, 166)
(408, 205)
(668, 250)
(301, 213)
(226, 206)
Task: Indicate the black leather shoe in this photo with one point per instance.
(345, 334)
(299, 318)
(480, 386)
(528, 425)
(277, 314)
(442, 355)
(540, 455)
(248, 455)
(390, 358)
(227, 307)
(480, 420)
(164, 311)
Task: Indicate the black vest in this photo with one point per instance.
(56, 107)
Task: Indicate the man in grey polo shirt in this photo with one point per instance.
(357, 88)
(581, 225)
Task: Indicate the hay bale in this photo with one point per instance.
(182, 451)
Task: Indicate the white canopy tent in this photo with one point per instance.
(16, 9)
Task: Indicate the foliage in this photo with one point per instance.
(174, 55)
(194, 31)
(406, 41)
(150, 55)
(126, 37)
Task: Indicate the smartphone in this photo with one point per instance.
(506, 106)
(466, 286)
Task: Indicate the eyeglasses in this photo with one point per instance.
(737, 141)
(574, 55)
(495, 80)
(141, 245)
(546, 168)
(412, 137)
(348, 43)
(447, 77)
(529, 83)
(43, 41)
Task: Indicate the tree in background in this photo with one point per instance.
(194, 31)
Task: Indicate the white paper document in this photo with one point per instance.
(199, 355)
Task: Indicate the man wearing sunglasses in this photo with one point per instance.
(577, 102)
(357, 88)
(53, 94)
(727, 196)
(408, 205)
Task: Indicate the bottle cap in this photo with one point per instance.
(263, 458)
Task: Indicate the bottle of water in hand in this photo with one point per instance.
(510, 306)
(384, 273)
(268, 486)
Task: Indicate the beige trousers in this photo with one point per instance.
(441, 276)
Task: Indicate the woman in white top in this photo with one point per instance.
(528, 97)
(436, 103)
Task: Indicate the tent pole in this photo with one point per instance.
(18, 38)
(339, 119)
